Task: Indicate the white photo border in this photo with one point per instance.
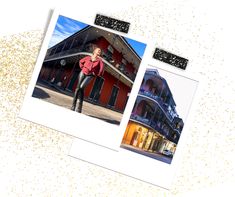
(64, 120)
(133, 164)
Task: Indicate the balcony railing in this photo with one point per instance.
(177, 130)
(89, 48)
(140, 119)
(158, 100)
(155, 126)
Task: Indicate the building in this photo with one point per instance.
(121, 63)
(154, 124)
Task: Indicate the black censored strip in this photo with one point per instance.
(112, 23)
(170, 58)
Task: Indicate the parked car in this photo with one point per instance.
(167, 153)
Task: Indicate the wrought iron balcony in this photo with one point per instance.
(89, 49)
(140, 119)
(152, 124)
(158, 100)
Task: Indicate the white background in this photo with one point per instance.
(19, 16)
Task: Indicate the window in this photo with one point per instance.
(147, 111)
(114, 95)
(121, 67)
(110, 49)
(124, 61)
(109, 54)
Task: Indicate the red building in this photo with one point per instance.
(121, 63)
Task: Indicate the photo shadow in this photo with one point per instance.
(39, 93)
(107, 120)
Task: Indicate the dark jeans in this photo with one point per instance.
(83, 80)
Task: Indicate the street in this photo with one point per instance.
(156, 156)
(61, 98)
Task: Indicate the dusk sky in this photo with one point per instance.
(65, 27)
(182, 89)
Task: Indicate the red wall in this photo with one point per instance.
(107, 88)
(102, 43)
(122, 96)
(117, 57)
(53, 74)
(89, 87)
(130, 68)
(44, 74)
(109, 81)
(66, 72)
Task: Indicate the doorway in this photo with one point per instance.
(73, 79)
(134, 139)
(113, 96)
(96, 90)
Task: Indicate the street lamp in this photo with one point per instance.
(63, 62)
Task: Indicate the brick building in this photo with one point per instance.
(121, 63)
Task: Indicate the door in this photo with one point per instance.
(113, 96)
(134, 139)
(58, 76)
(148, 141)
(96, 90)
(143, 138)
(73, 80)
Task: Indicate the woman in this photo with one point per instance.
(90, 66)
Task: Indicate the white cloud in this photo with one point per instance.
(60, 27)
(57, 37)
(71, 25)
(63, 31)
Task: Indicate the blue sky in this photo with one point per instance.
(65, 27)
(138, 46)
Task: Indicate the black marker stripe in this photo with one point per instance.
(170, 58)
(112, 23)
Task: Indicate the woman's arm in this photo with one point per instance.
(82, 61)
(101, 68)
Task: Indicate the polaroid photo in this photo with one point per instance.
(156, 127)
(83, 78)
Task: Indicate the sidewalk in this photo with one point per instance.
(53, 95)
(156, 156)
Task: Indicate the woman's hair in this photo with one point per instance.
(97, 48)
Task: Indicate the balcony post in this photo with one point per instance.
(71, 44)
(63, 47)
(155, 110)
(52, 69)
(135, 106)
(163, 86)
(84, 42)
